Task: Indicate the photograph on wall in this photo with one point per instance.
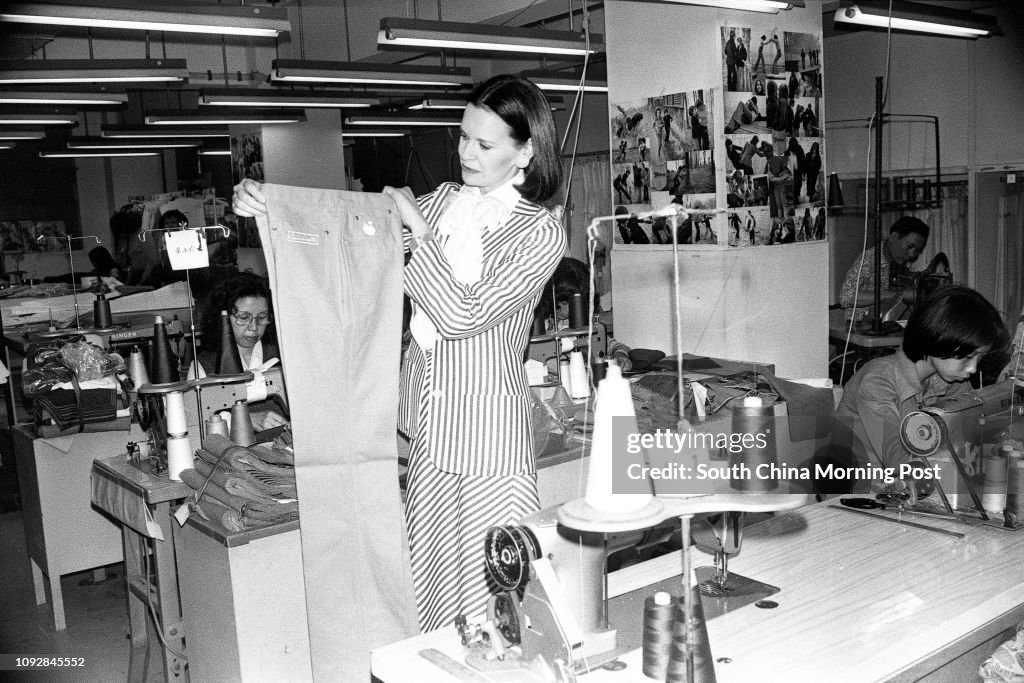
(661, 152)
(748, 227)
(35, 236)
(773, 134)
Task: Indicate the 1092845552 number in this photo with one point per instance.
(25, 662)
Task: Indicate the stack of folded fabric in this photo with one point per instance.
(243, 488)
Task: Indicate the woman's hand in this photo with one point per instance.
(248, 199)
(409, 211)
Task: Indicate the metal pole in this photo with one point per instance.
(876, 326)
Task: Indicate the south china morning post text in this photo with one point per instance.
(667, 462)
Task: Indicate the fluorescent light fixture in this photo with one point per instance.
(248, 97)
(375, 132)
(38, 119)
(215, 152)
(93, 71)
(22, 134)
(93, 153)
(178, 117)
(237, 20)
(6, 145)
(766, 6)
(56, 97)
(299, 71)
(909, 16)
(110, 143)
(114, 131)
(398, 32)
(403, 119)
(438, 103)
(565, 81)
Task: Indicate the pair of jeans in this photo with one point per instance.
(335, 264)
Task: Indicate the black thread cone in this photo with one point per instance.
(102, 318)
(164, 364)
(229, 362)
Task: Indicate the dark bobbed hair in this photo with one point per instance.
(905, 225)
(523, 107)
(102, 262)
(178, 216)
(572, 276)
(225, 293)
(954, 322)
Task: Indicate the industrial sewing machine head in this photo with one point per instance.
(967, 438)
(917, 286)
(201, 398)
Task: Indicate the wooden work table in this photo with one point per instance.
(860, 600)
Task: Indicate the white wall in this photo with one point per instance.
(766, 304)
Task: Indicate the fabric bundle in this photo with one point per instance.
(238, 488)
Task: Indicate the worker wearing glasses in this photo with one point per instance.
(246, 298)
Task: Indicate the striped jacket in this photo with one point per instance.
(479, 398)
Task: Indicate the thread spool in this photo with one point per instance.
(756, 420)
(577, 311)
(163, 363)
(229, 362)
(565, 375)
(180, 456)
(657, 634)
(540, 327)
(598, 371)
(703, 665)
(578, 376)
(174, 413)
(1015, 482)
(217, 425)
(994, 488)
(101, 315)
(137, 367)
(613, 411)
(241, 425)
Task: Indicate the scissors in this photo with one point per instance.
(863, 503)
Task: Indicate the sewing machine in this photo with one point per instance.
(544, 347)
(958, 433)
(202, 398)
(917, 286)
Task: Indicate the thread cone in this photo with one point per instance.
(614, 405)
(101, 316)
(241, 425)
(137, 367)
(229, 362)
(163, 364)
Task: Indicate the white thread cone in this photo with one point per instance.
(613, 400)
(578, 379)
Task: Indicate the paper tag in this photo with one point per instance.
(182, 514)
(187, 249)
(303, 238)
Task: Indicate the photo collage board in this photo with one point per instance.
(773, 169)
(662, 152)
(772, 176)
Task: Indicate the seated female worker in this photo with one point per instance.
(572, 276)
(246, 298)
(944, 342)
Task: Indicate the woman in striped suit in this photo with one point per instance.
(481, 254)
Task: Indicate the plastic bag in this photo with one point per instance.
(89, 361)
